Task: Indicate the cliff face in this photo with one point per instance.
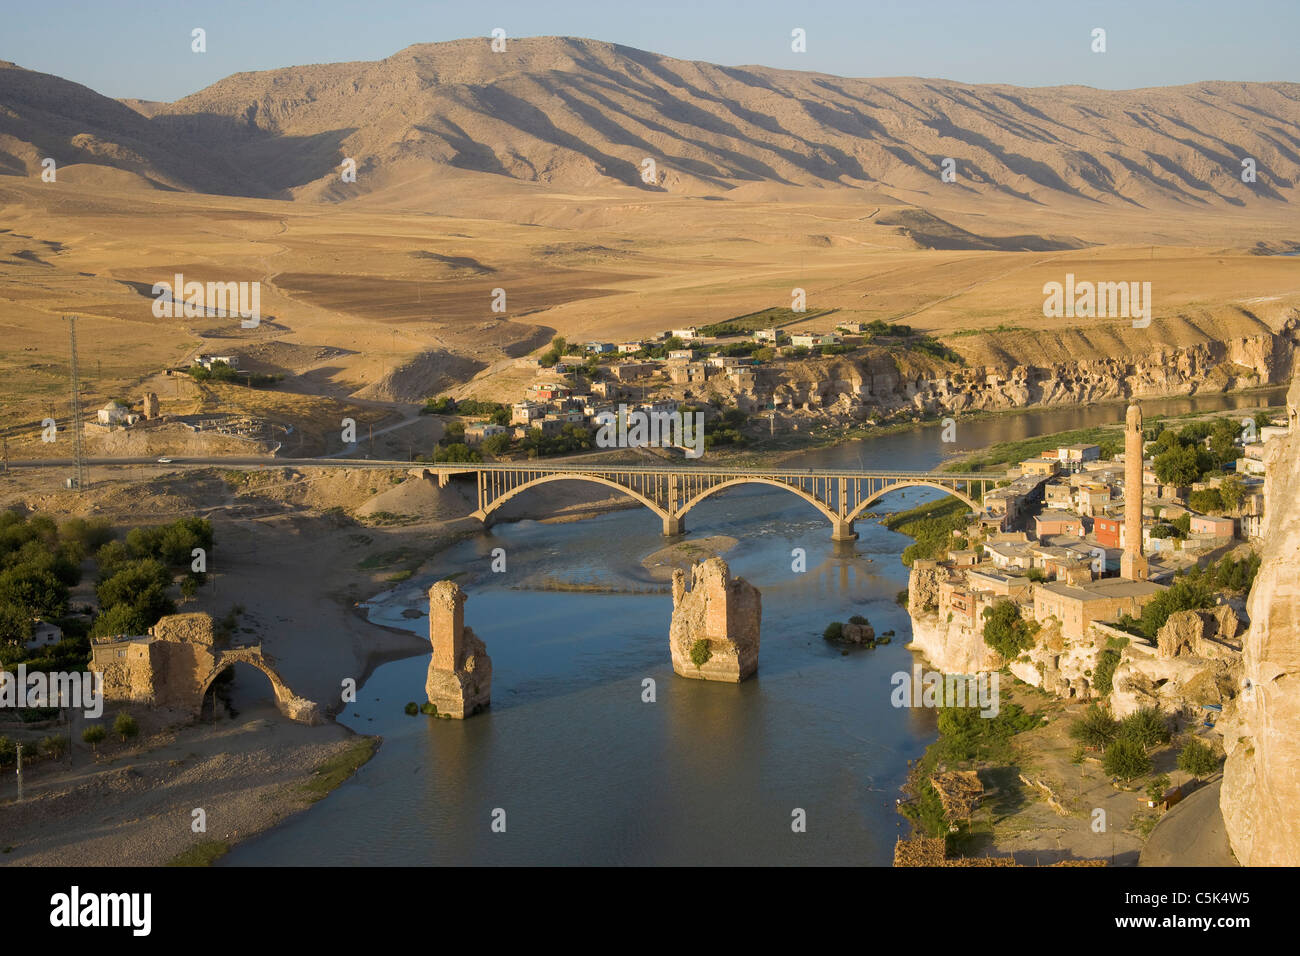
(883, 381)
(1261, 728)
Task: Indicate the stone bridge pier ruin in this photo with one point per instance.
(715, 626)
(459, 682)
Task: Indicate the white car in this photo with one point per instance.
(164, 461)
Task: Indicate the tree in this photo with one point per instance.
(1147, 727)
(497, 445)
(1126, 759)
(1179, 466)
(1206, 501)
(94, 735)
(1157, 787)
(54, 746)
(125, 726)
(1197, 759)
(1005, 631)
(1095, 729)
(33, 589)
(15, 625)
(834, 631)
(1232, 492)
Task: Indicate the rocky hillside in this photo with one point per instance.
(1261, 728)
(578, 112)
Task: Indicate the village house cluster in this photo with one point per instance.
(1055, 539)
(550, 405)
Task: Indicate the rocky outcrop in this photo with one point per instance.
(1196, 661)
(952, 643)
(459, 681)
(715, 626)
(1260, 799)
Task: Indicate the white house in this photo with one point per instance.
(44, 634)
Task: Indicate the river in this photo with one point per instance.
(582, 770)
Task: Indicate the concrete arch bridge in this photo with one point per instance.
(841, 496)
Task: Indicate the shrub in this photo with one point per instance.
(858, 619)
(54, 746)
(8, 751)
(94, 735)
(1197, 759)
(1126, 759)
(412, 708)
(429, 708)
(125, 726)
(700, 652)
(834, 631)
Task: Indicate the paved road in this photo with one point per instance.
(677, 467)
(1191, 833)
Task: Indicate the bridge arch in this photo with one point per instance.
(784, 486)
(872, 499)
(501, 499)
(286, 701)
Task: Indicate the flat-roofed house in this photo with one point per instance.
(1078, 606)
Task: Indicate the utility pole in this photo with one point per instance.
(77, 449)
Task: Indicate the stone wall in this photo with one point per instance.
(724, 613)
(1260, 798)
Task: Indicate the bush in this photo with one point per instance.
(429, 708)
(858, 619)
(1147, 727)
(8, 751)
(834, 631)
(700, 652)
(94, 735)
(1197, 759)
(1096, 729)
(54, 747)
(125, 726)
(412, 708)
(1126, 759)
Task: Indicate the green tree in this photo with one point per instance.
(1125, 759)
(54, 746)
(1179, 466)
(1157, 787)
(1006, 631)
(1197, 759)
(497, 445)
(125, 726)
(1232, 492)
(94, 735)
(15, 625)
(1147, 726)
(35, 590)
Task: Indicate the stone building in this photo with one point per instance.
(151, 407)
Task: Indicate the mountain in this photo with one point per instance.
(573, 113)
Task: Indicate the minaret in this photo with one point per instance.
(1132, 564)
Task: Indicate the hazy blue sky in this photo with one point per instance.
(134, 48)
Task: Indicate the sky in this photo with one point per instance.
(134, 48)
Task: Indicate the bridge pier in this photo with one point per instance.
(674, 525)
(842, 530)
